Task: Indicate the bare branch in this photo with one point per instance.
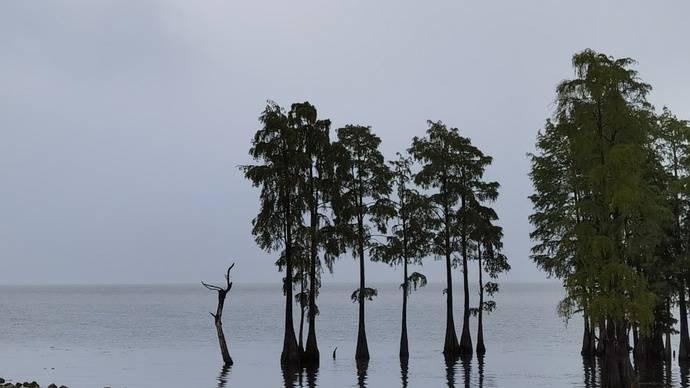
(211, 287)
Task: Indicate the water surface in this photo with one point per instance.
(163, 336)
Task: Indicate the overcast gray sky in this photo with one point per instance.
(122, 122)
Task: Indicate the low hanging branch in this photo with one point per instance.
(218, 316)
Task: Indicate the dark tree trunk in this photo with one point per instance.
(667, 334)
(617, 371)
(404, 352)
(684, 345)
(218, 319)
(362, 352)
(451, 347)
(465, 337)
(684, 374)
(290, 355)
(218, 316)
(311, 353)
(587, 349)
(589, 365)
(649, 350)
(601, 345)
(481, 349)
(301, 320)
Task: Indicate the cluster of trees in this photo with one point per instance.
(612, 214)
(321, 197)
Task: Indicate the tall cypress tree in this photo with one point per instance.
(559, 185)
(409, 239)
(673, 148)
(279, 175)
(316, 189)
(490, 261)
(454, 167)
(360, 204)
(607, 124)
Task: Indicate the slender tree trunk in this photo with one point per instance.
(649, 350)
(451, 347)
(617, 371)
(586, 339)
(362, 352)
(404, 353)
(684, 345)
(301, 319)
(465, 337)
(667, 334)
(290, 354)
(481, 349)
(218, 319)
(311, 353)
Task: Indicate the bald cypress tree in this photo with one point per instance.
(276, 146)
(361, 205)
(409, 239)
(453, 167)
(490, 261)
(619, 215)
(673, 148)
(316, 188)
(559, 185)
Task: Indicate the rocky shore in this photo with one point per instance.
(26, 384)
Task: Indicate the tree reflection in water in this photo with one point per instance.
(403, 372)
(223, 376)
(684, 374)
(362, 367)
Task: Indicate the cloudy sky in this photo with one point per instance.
(122, 122)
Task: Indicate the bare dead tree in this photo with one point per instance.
(218, 316)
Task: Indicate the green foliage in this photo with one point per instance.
(409, 237)
(417, 280)
(452, 166)
(362, 180)
(318, 182)
(276, 146)
(368, 294)
(599, 215)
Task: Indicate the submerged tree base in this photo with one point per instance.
(466, 349)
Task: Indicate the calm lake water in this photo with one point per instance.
(163, 336)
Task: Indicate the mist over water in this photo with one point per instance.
(163, 336)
